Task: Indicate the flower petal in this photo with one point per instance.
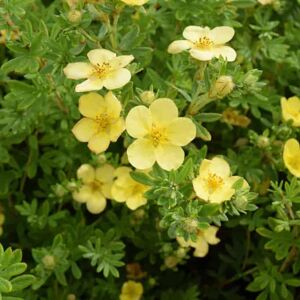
(91, 84)
(86, 173)
(116, 129)
(220, 167)
(105, 173)
(200, 187)
(138, 121)
(96, 204)
(179, 46)
(84, 129)
(78, 70)
(141, 154)
(201, 247)
(194, 33)
(169, 157)
(209, 235)
(226, 52)
(181, 131)
(113, 105)
(99, 56)
(91, 105)
(221, 35)
(83, 194)
(136, 201)
(99, 142)
(117, 79)
(222, 194)
(203, 55)
(163, 111)
(121, 61)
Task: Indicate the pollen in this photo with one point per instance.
(204, 43)
(157, 136)
(100, 70)
(103, 121)
(214, 182)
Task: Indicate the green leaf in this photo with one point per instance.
(293, 282)
(142, 178)
(203, 133)
(13, 270)
(5, 286)
(208, 117)
(22, 282)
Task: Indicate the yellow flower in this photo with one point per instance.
(102, 123)
(131, 290)
(160, 134)
(135, 2)
(205, 238)
(2, 220)
(104, 70)
(126, 189)
(96, 187)
(291, 156)
(214, 183)
(291, 110)
(204, 43)
(265, 2)
(233, 117)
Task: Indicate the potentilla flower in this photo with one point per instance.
(105, 69)
(135, 2)
(214, 183)
(233, 117)
(102, 123)
(291, 156)
(131, 290)
(204, 44)
(205, 237)
(265, 2)
(126, 189)
(96, 187)
(291, 110)
(160, 134)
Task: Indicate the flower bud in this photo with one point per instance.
(74, 16)
(71, 297)
(147, 97)
(49, 262)
(265, 2)
(221, 87)
(171, 262)
(263, 141)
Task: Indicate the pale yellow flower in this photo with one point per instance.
(96, 187)
(102, 123)
(214, 183)
(126, 189)
(105, 69)
(135, 2)
(205, 237)
(160, 134)
(265, 2)
(131, 290)
(291, 156)
(204, 43)
(291, 110)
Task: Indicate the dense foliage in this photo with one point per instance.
(94, 205)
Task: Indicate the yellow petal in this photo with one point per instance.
(221, 35)
(135, 2)
(291, 147)
(209, 235)
(181, 131)
(202, 248)
(106, 189)
(163, 111)
(91, 84)
(169, 157)
(141, 154)
(200, 187)
(86, 173)
(96, 204)
(83, 194)
(117, 79)
(222, 194)
(119, 194)
(182, 242)
(194, 33)
(226, 52)
(99, 142)
(131, 291)
(136, 201)
(179, 46)
(105, 173)
(91, 105)
(116, 129)
(138, 121)
(113, 105)
(99, 56)
(122, 171)
(78, 70)
(291, 110)
(121, 61)
(203, 55)
(84, 129)
(291, 156)
(220, 167)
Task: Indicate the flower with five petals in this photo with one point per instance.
(291, 156)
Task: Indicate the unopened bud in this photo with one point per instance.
(221, 87)
(74, 16)
(171, 262)
(263, 142)
(49, 262)
(147, 97)
(71, 297)
(101, 158)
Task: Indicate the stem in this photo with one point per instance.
(238, 276)
(199, 103)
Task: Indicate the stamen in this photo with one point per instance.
(204, 43)
(214, 182)
(103, 120)
(101, 69)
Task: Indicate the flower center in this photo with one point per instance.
(95, 185)
(100, 70)
(157, 136)
(204, 43)
(214, 182)
(103, 121)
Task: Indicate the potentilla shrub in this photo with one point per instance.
(149, 149)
